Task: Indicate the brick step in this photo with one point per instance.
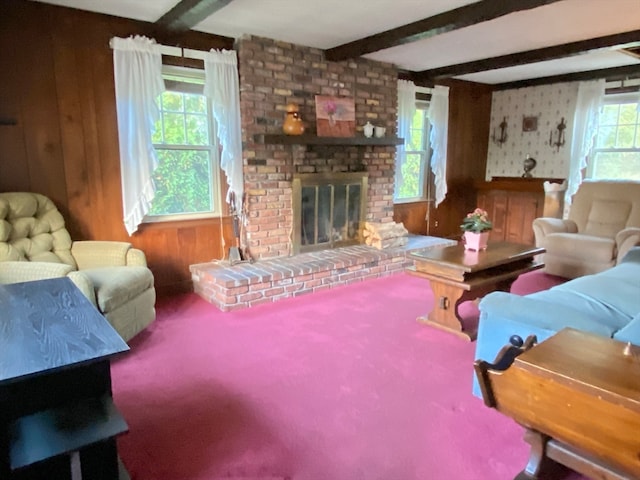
(245, 284)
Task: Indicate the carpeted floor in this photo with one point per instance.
(342, 384)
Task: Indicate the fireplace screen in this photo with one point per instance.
(328, 210)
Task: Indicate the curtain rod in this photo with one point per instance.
(177, 51)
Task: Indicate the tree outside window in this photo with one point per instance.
(411, 181)
(617, 146)
(186, 178)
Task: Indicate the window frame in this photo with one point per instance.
(614, 99)
(425, 160)
(185, 75)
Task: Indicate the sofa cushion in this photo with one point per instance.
(592, 248)
(115, 286)
(607, 217)
(631, 332)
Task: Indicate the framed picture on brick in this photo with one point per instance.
(335, 116)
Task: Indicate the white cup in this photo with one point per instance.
(380, 131)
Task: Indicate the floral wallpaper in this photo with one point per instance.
(548, 104)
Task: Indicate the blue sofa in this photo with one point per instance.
(605, 303)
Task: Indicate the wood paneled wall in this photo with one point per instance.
(58, 130)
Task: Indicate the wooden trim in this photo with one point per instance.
(610, 74)
(448, 21)
(188, 13)
(619, 40)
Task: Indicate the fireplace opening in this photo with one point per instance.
(328, 210)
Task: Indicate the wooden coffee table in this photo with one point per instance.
(457, 275)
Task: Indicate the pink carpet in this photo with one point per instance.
(342, 384)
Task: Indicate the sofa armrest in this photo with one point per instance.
(95, 254)
(625, 240)
(544, 226)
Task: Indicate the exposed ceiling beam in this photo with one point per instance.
(188, 13)
(444, 22)
(620, 40)
(611, 74)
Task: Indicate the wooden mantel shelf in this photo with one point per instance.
(281, 139)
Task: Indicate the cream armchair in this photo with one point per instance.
(35, 245)
(602, 225)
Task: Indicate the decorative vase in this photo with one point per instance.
(367, 129)
(292, 122)
(476, 241)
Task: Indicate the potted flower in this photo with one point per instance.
(476, 227)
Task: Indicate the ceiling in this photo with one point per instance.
(431, 40)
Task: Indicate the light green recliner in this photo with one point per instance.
(35, 245)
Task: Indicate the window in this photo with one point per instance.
(187, 177)
(411, 182)
(617, 147)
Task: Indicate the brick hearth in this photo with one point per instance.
(249, 284)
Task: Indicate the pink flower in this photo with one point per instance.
(331, 107)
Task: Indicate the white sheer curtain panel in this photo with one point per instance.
(439, 119)
(406, 110)
(137, 64)
(585, 126)
(221, 86)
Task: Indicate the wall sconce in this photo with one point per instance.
(503, 133)
(559, 135)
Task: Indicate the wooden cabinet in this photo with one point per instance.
(513, 204)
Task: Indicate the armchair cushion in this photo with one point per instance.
(606, 218)
(599, 249)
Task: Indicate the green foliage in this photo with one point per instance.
(618, 137)
(183, 178)
(411, 174)
(183, 182)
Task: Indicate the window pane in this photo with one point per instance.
(609, 115)
(606, 137)
(411, 178)
(617, 166)
(174, 133)
(172, 101)
(183, 182)
(157, 132)
(628, 113)
(625, 136)
(417, 141)
(638, 136)
(197, 130)
(195, 103)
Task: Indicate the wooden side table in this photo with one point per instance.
(578, 396)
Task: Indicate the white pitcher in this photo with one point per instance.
(368, 130)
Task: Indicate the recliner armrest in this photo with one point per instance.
(544, 226)
(625, 240)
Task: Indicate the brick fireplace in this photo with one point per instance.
(272, 74)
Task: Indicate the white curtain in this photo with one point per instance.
(585, 126)
(406, 110)
(439, 119)
(137, 66)
(221, 86)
